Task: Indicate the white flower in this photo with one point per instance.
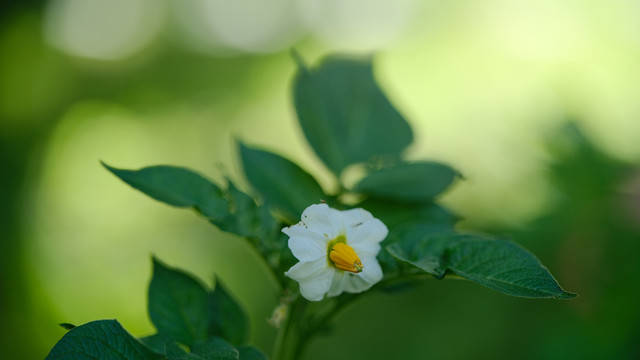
(337, 251)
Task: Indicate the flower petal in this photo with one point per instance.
(371, 274)
(308, 247)
(365, 238)
(315, 287)
(338, 283)
(306, 269)
(322, 220)
(355, 217)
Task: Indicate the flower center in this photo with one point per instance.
(345, 258)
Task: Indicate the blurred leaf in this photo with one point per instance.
(178, 187)
(410, 182)
(345, 116)
(396, 213)
(178, 305)
(282, 183)
(67, 326)
(251, 353)
(497, 264)
(104, 340)
(228, 319)
(215, 349)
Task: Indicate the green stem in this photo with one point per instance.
(288, 344)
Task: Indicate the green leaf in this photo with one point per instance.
(215, 349)
(157, 342)
(500, 265)
(173, 351)
(251, 353)
(104, 340)
(395, 214)
(231, 210)
(178, 305)
(245, 217)
(178, 187)
(409, 182)
(228, 319)
(282, 183)
(67, 326)
(345, 116)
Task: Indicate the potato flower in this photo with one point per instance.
(337, 251)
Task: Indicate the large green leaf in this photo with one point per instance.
(178, 187)
(104, 340)
(215, 349)
(227, 320)
(231, 210)
(345, 116)
(410, 182)
(500, 265)
(251, 353)
(178, 305)
(282, 183)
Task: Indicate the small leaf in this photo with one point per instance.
(345, 116)
(409, 182)
(215, 349)
(67, 326)
(282, 183)
(177, 304)
(104, 340)
(178, 187)
(228, 319)
(500, 265)
(251, 353)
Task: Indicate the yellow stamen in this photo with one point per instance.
(345, 258)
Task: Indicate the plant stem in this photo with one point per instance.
(288, 343)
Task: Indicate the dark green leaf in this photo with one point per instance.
(282, 183)
(178, 187)
(251, 353)
(228, 319)
(215, 349)
(178, 304)
(410, 182)
(244, 217)
(157, 342)
(503, 266)
(104, 340)
(500, 265)
(345, 116)
(427, 253)
(67, 326)
(173, 351)
(395, 214)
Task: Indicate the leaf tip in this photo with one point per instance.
(67, 326)
(106, 166)
(299, 60)
(565, 295)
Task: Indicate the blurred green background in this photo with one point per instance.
(488, 87)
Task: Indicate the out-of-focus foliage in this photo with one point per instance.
(489, 78)
(185, 314)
